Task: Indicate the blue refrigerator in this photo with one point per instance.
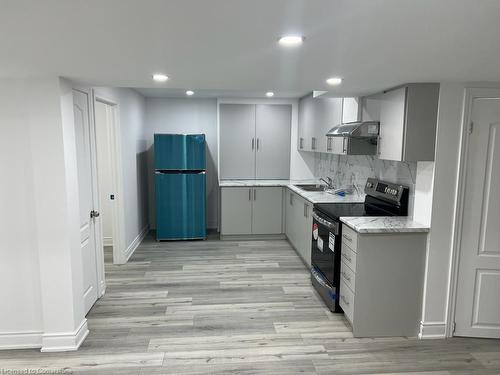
(180, 182)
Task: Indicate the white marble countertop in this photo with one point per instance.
(311, 196)
(384, 224)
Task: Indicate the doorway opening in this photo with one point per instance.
(106, 117)
(103, 123)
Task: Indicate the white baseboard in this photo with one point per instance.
(65, 341)
(432, 330)
(107, 241)
(20, 340)
(135, 243)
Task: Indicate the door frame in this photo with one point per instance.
(471, 93)
(118, 219)
(101, 281)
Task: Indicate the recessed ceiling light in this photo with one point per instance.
(269, 94)
(291, 40)
(334, 81)
(189, 92)
(158, 77)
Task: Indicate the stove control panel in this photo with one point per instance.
(385, 190)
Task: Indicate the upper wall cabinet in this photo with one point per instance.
(408, 119)
(316, 117)
(254, 141)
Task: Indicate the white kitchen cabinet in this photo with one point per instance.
(316, 117)
(328, 114)
(237, 141)
(267, 210)
(298, 225)
(254, 141)
(381, 282)
(251, 211)
(272, 147)
(236, 210)
(306, 123)
(408, 120)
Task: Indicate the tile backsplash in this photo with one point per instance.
(355, 169)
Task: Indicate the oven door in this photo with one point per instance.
(325, 246)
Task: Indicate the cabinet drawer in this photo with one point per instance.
(349, 237)
(349, 257)
(348, 276)
(347, 301)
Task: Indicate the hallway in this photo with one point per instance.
(236, 307)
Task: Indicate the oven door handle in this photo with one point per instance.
(320, 279)
(326, 223)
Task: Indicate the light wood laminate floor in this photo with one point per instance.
(212, 307)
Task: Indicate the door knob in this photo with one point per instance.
(94, 214)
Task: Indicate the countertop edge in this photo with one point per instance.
(327, 198)
(409, 226)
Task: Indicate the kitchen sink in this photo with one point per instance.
(311, 187)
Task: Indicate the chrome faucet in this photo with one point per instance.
(328, 181)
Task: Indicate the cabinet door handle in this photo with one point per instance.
(254, 194)
(349, 259)
(253, 143)
(347, 238)
(344, 147)
(345, 276)
(249, 194)
(313, 143)
(329, 144)
(345, 300)
(378, 145)
(258, 142)
(291, 199)
(301, 143)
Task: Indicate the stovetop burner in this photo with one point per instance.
(382, 199)
(337, 210)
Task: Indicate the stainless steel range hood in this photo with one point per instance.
(354, 138)
(357, 129)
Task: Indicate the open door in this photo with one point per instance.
(89, 215)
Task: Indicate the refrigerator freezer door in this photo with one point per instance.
(179, 151)
(180, 206)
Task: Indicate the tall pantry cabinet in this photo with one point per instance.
(254, 141)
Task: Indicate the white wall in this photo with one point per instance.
(132, 107)
(440, 239)
(185, 116)
(41, 265)
(103, 117)
(18, 241)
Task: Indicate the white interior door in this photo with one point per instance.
(85, 186)
(478, 294)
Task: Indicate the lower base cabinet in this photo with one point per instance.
(381, 282)
(251, 211)
(298, 224)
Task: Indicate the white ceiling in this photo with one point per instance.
(231, 44)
